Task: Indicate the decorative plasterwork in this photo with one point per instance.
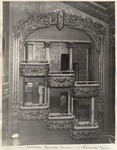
(5, 90)
(33, 114)
(59, 124)
(34, 69)
(112, 34)
(85, 132)
(70, 45)
(60, 20)
(61, 80)
(92, 10)
(85, 91)
(95, 30)
(47, 44)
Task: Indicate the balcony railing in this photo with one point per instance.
(85, 89)
(34, 69)
(61, 80)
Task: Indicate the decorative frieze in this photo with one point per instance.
(34, 69)
(61, 80)
(5, 90)
(59, 123)
(26, 113)
(85, 91)
(85, 132)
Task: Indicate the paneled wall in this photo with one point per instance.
(82, 54)
(55, 55)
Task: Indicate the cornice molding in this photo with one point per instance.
(92, 10)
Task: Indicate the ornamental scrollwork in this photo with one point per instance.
(85, 133)
(95, 30)
(59, 124)
(61, 81)
(85, 91)
(26, 26)
(34, 69)
(33, 114)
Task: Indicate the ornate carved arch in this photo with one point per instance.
(24, 27)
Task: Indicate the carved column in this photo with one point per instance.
(48, 96)
(45, 99)
(92, 115)
(70, 47)
(69, 98)
(77, 104)
(72, 105)
(47, 47)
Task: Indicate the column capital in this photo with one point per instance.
(47, 44)
(70, 45)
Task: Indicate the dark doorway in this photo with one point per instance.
(64, 62)
(76, 70)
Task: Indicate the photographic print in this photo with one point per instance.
(58, 72)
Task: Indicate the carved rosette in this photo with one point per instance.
(33, 114)
(34, 69)
(5, 90)
(60, 124)
(61, 80)
(85, 91)
(85, 132)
